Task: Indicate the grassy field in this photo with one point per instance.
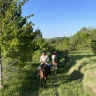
(76, 77)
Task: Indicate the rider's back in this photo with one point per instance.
(44, 59)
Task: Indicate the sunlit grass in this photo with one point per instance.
(77, 77)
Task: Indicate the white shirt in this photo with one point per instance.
(53, 57)
(44, 59)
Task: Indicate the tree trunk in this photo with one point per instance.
(1, 75)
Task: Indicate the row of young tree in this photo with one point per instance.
(18, 39)
(84, 39)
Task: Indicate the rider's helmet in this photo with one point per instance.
(54, 52)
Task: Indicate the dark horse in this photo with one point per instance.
(44, 72)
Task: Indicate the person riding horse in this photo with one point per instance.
(55, 57)
(43, 61)
(55, 61)
(44, 68)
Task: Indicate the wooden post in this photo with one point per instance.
(1, 75)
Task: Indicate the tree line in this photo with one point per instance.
(18, 39)
(84, 39)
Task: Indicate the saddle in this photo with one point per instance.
(42, 66)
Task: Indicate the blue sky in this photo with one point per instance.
(58, 18)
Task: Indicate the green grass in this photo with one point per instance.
(77, 77)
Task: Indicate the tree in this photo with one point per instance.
(17, 34)
(93, 46)
(38, 33)
(93, 41)
(66, 44)
(17, 38)
(84, 29)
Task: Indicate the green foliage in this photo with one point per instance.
(81, 40)
(60, 43)
(65, 44)
(93, 46)
(18, 40)
(93, 41)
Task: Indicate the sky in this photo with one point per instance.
(59, 18)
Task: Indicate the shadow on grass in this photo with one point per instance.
(30, 83)
(64, 67)
(75, 75)
(72, 61)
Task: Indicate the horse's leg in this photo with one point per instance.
(41, 77)
(55, 68)
(41, 82)
(45, 76)
(49, 70)
(44, 81)
(52, 69)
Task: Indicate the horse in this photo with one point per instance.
(44, 72)
(55, 63)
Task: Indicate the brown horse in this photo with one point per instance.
(44, 72)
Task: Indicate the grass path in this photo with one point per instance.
(60, 84)
(63, 84)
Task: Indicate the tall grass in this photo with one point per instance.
(77, 77)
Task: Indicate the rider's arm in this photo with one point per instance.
(40, 59)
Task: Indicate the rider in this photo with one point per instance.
(53, 56)
(43, 60)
